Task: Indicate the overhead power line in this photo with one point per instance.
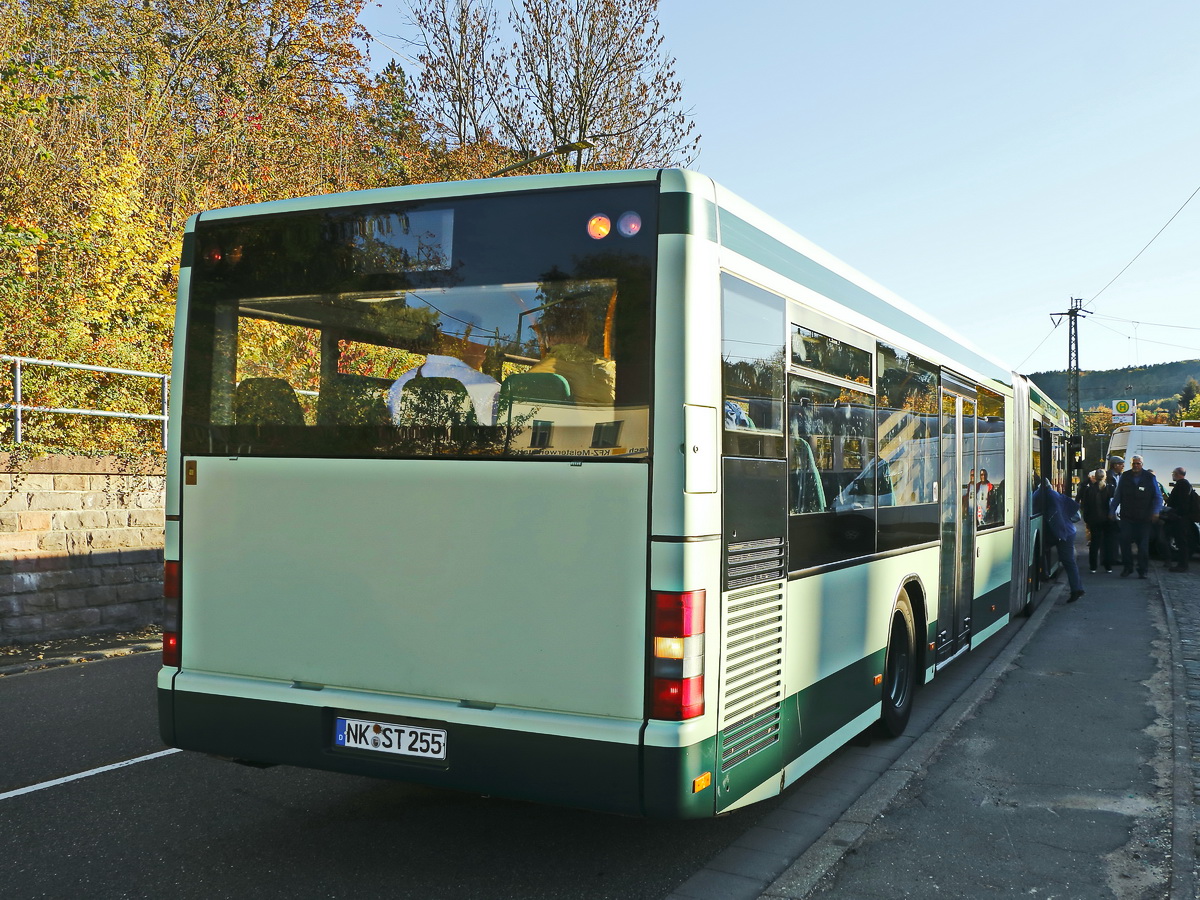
(1021, 364)
(1144, 249)
(1172, 326)
(1110, 283)
(1142, 340)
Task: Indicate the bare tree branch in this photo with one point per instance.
(576, 70)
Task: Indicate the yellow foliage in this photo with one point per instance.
(119, 120)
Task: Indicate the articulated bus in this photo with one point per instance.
(594, 489)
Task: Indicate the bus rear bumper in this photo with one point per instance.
(561, 770)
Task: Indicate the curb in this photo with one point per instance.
(90, 656)
(802, 876)
(1183, 823)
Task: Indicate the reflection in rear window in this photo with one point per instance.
(409, 332)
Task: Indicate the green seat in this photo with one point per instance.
(531, 387)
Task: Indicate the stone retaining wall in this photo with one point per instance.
(81, 548)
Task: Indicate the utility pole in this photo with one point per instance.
(1074, 313)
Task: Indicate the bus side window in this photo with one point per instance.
(831, 448)
(807, 492)
(906, 427)
(752, 370)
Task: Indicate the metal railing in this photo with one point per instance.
(18, 406)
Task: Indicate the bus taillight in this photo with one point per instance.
(171, 613)
(677, 691)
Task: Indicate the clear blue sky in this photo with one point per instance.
(985, 161)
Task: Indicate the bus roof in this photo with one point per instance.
(717, 214)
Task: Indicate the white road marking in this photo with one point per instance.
(57, 781)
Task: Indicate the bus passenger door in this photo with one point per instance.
(957, 516)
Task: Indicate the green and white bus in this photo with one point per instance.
(596, 489)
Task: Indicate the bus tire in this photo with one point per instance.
(1035, 577)
(900, 669)
(1033, 581)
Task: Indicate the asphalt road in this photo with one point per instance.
(184, 825)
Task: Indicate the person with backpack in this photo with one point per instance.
(1061, 513)
(1183, 506)
(1137, 503)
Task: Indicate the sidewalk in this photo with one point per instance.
(16, 659)
(1181, 598)
(1077, 777)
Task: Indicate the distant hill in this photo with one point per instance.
(1142, 383)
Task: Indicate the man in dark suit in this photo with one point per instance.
(1180, 525)
(1136, 503)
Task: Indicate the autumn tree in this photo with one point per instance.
(1148, 416)
(1192, 411)
(1097, 432)
(121, 118)
(591, 71)
(80, 274)
(406, 149)
(460, 63)
(1191, 390)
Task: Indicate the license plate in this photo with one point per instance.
(388, 737)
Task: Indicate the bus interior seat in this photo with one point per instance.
(531, 387)
(435, 400)
(353, 400)
(266, 401)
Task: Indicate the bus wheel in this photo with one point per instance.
(1033, 581)
(900, 669)
(1035, 578)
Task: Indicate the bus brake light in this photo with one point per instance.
(676, 699)
(172, 614)
(678, 613)
(677, 689)
(171, 648)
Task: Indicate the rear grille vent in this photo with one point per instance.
(754, 562)
(748, 737)
(753, 675)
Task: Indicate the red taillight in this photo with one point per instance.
(678, 698)
(171, 613)
(171, 579)
(171, 648)
(678, 613)
(677, 689)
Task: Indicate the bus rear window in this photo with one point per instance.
(499, 327)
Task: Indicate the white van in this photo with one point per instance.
(1161, 447)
